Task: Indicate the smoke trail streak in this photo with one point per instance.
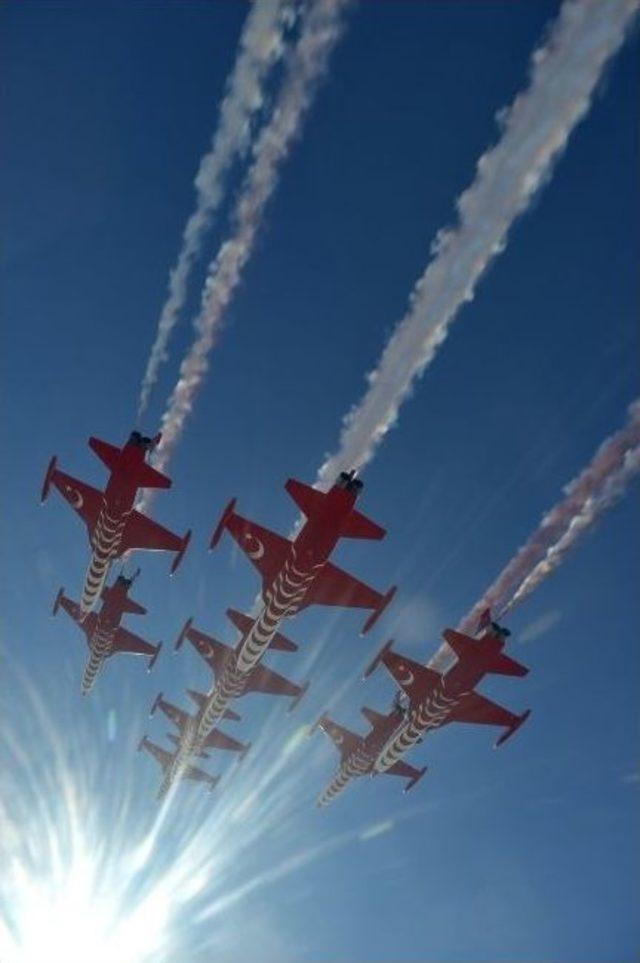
(598, 487)
(536, 128)
(320, 29)
(261, 47)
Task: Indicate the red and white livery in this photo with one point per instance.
(114, 526)
(105, 635)
(436, 699)
(359, 753)
(166, 759)
(296, 574)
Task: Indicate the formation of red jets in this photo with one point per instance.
(294, 573)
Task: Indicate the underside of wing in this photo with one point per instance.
(265, 680)
(85, 500)
(142, 532)
(220, 740)
(413, 678)
(266, 550)
(125, 641)
(213, 652)
(477, 709)
(345, 740)
(333, 586)
(403, 769)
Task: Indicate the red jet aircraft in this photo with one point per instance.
(113, 525)
(217, 656)
(359, 753)
(166, 759)
(436, 699)
(105, 635)
(297, 573)
(185, 722)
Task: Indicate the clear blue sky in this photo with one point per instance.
(525, 854)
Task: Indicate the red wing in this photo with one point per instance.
(220, 740)
(143, 532)
(415, 679)
(345, 740)
(84, 499)
(265, 680)
(159, 754)
(476, 708)
(266, 550)
(213, 652)
(125, 641)
(401, 768)
(73, 609)
(332, 586)
(179, 717)
(192, 772)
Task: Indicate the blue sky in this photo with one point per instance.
(520, 855)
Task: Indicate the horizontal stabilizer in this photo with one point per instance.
(482, 655)
(108, 454)
(245, 623)
(133, 607)
(373, 717)
(148, 477)
(309, 500)
(358, 525)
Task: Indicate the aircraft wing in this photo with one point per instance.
(213, 652)
(163, 756)
(404, 769)
(84, 499)
(220, 740)
(266, 550)
(199, 775)
(88, 623)
(414, 679)
(345, 740)
(142, 532)
(333, 586)
(125, 641)
(179, 717)
(266, 680)
(476, 708)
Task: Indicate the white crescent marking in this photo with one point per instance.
(75, 497)
(404, 675)
(254, 547)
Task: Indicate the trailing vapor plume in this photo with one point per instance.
(262, 45)
(597, 488)
(320, 29)
(536, 128)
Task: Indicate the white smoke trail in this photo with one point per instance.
(536, 128)
(613, 489)
(261, 47)
(598, 487)
(320, 29)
